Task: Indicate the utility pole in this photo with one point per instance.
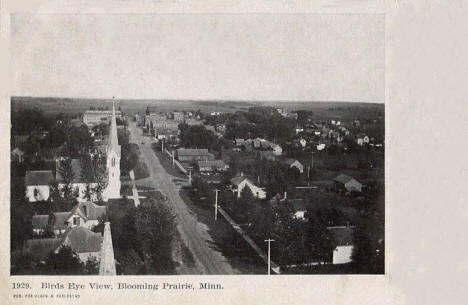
(190, 176)
(269, 253)
(173, 159)
(216, 204)
(162, 146)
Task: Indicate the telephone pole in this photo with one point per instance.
(269, 253)
(173, 159)
(162, 145)
(216, 204)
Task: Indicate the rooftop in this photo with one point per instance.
(343, 235)
(192, 151)
(43, 177)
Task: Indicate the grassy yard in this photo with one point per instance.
(166, 162)
(240, 255)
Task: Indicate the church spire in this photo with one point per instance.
(107, 262)
(113, 139)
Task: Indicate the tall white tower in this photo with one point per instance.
(113, 161)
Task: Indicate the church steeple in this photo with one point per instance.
(113, 138)
(113, 161)
(107, 262)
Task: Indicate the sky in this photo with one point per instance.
(296, 57)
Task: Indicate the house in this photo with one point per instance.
(85, 214)
(299, 129)
(362, 139)
(277, 150)
(299, 208)
(240, 182)
(320, 146)
(342, 237)
(212, 166)
(303, 142)
(240, 142)
(348, 183)
(78, 182)
(37, 185)
(84, 242)
(192, 155)
(297, 205)
(294, 163)
(17, 155)
(178, 116)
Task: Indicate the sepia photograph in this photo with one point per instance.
(208, 144)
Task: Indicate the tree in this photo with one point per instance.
(66, 172)
(91, 266)
(23, 263)
(65, 262)
(155, 228)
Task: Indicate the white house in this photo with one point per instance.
(343, 241)
(239, 183)
(294, 163)
(277, 150)
(303, 142)
(37, 185)
(320, 146)
(362, 139)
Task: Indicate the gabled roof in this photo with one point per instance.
(342, 178)
(17, 151)
(43, 177)
(192, 151)
(212, 163)
(238, 180)
(291, 161)
(89, 210)
(82, 240)
(342, 236)
(41, 248)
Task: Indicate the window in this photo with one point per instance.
(113, 162)
(76, 221)
(36, 192)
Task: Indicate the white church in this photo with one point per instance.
(113, 153)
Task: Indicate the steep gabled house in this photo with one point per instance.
(37, 185)
(84, 214)
(239, 183)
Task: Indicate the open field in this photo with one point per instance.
(322, 110)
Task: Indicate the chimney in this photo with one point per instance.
(258, 180)
(242, 174)
(285, 195)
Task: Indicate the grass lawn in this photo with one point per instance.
(240, 255)
(166, 162)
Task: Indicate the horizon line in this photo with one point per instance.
(200, 100)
